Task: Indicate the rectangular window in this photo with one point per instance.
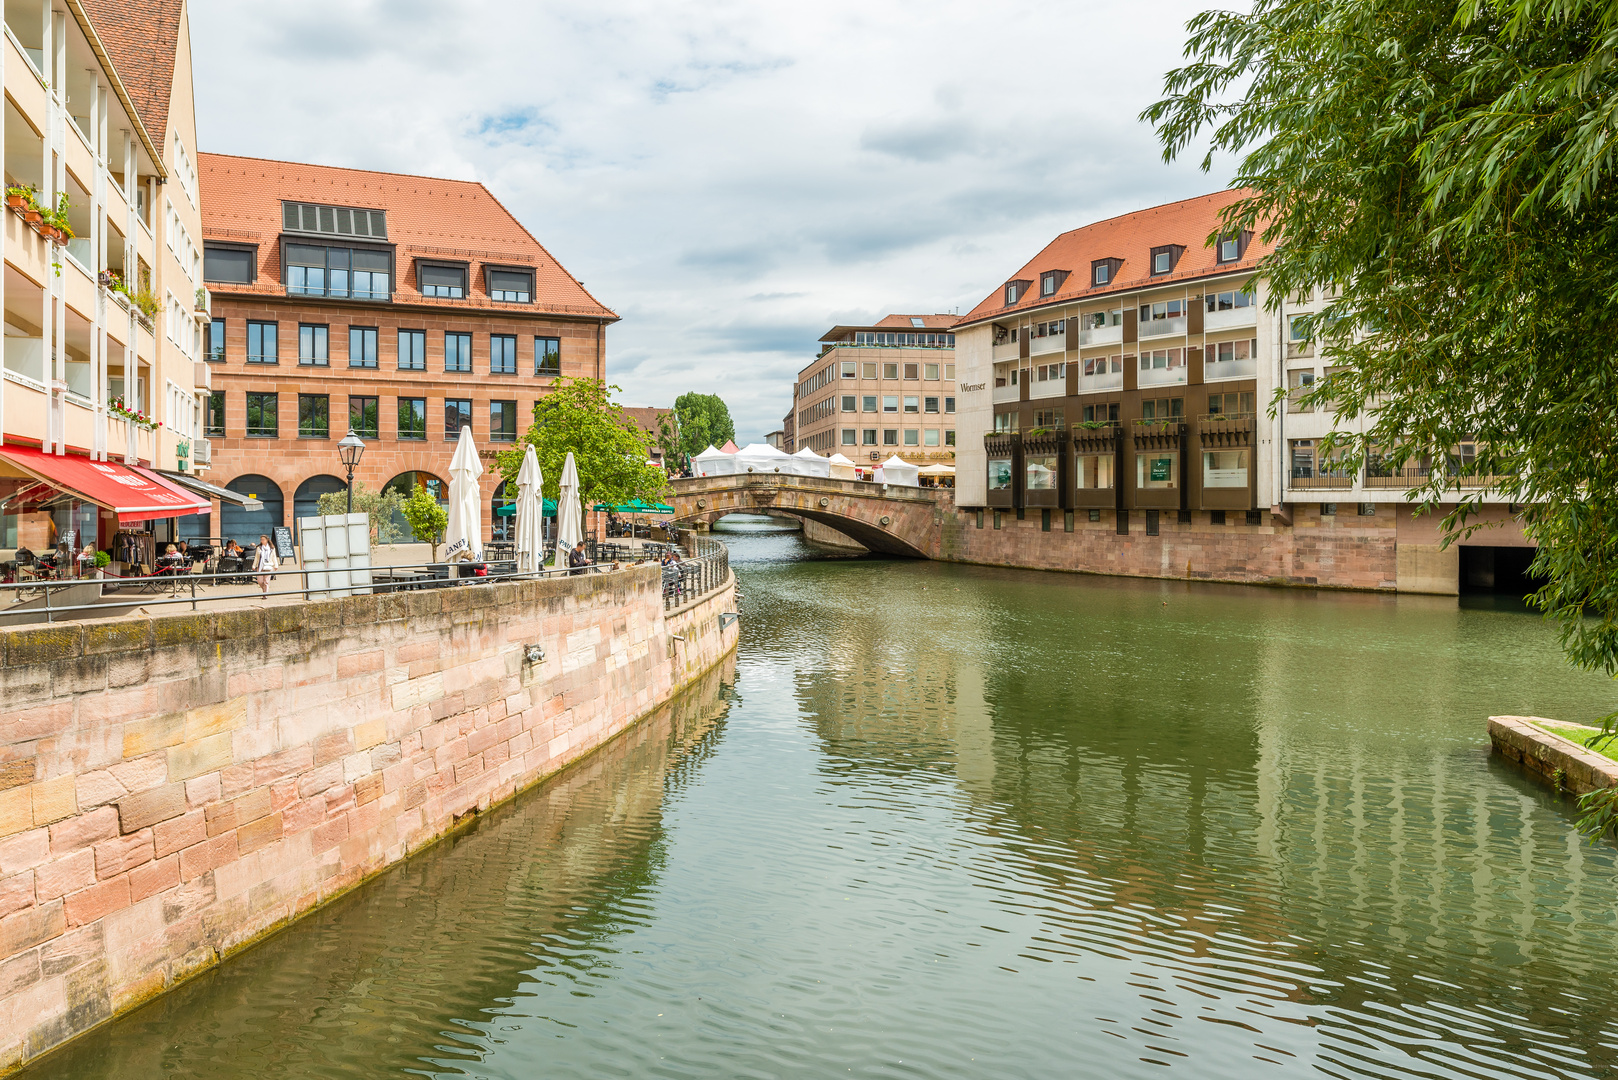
(457, 414)
(890, 437)
(323, 271)
(912, 371)
(1162, 408)
(930, 404)
(1156, 469)
(949, 437)
(848, 403)
(263, 419)
(949, 369)
(216, 340)
(869, 371)
(868, 436)
(890, 403)
(1094, 471)
(457, 352)
(314, 343)
(930, 437)
(547, 356)
(338, 220)
(912, 403)
(362, 346)
(233, 265)
(1102, 272)
(502, 354)
(413, 418)
(1231, 405)
(314, 416)
(412, 350)
(932, 371)
(1160, 263)
(509, 286)
(261, 346)
(214, 421)
(362, 416)
(848, 369)
(1224, 468)
(1228, 301)
(999, 476)
(868, 403)
(912, 437)
(849, 436)
(1229, 249)
(445, 282)
(890, 371)
(502, 421)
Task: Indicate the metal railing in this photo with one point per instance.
(707, 569)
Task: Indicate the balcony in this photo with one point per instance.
(1157, 328)
(1111, 380)
(201, 375)
(1230, 369)
(1048, 344)
(1174, 376)
(1319, 483)
(1101, 335)
(1405, 479)
(201, 452)
(1003, 394)
(1230, 319)
(1007, 350)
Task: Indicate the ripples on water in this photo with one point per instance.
(963, 822)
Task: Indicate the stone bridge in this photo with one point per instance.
(889, 519)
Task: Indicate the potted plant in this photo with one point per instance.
(149, 305)
(103, 560)
(17, 197)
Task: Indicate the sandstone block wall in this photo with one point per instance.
(173, 788)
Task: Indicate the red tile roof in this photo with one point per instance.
(1131, 238)
(428, 218)
(646, 418)
(141, 38)
(894, 322)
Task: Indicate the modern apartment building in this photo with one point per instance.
(1121, 381)
(880, 390)
(103, 319)
(400, 307)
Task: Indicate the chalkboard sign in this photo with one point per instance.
(283, 543)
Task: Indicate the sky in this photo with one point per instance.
(732, 179)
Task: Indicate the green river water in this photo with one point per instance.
(947, 821)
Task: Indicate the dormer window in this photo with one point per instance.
(1105, 271)
(1016, 290)
(1050, 281)
(1011, 294)
(1232, 246)
(1165, 258)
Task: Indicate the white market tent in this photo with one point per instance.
(937, 469)
(808, 463)
(713, 462)
(762, 458)
(841, 468)
(896, 470)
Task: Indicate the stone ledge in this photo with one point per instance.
(1561, 761)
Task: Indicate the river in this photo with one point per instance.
(947, 821)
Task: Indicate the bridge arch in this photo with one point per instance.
(890, 520)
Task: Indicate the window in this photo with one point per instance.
(1231, 247)
(1163, 309)
(335, 220)
(912, 403)
(261, 343)
(1162, 408)
(1160, 262)
(362, 416)
(914, 321)
(1231, 405)
(1228, 301)
(870, 371)
(868, 403)
(1049, 418)
(868, 436)
(457, 414)
(1298, 328)
(1156, 469)
(912, 371)
(547, 356)
(1227, 351)
(912, 437)
(1103, 273)
(931, 437)
(263, 421)
(949, 405)
(890, 403)
(849, 436)
(1162, 360)
(413, 418)
(362, 346)
(1105, 414)
(930, 371)
(457, 352)
(1224, 468)
(412, 350)
(509, 286)
(446, 282)
(216, 340)
(929, 404)
(949, 437)
(890, 371)
(890, 437)
(1011, 294)
(314, 416)
(324, 271)
(1005, 421)
(1050, 281)
(231, 265)
(848, 369)
(849, 401)
(1039, 472)
(999, 479)
(1094, 471)
(313, 344)
(949, 369)
(502, 421)
(213, 423)
(502, 354)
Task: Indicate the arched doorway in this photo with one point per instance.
(306, 500)
(503, 513)
(245, 526)
(406, 483)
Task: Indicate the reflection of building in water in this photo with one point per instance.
(534, 893)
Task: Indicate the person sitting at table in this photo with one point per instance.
(578, 559)
(184, 551)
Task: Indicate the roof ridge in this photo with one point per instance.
(1148, 209)
(348, 168)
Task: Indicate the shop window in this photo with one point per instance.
(1040, 472)
(1224, 468)
(1157, 470)
(999, 476)
(1094, 471)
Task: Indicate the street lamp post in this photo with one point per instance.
(349, 452)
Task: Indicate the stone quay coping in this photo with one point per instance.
(1562, 761)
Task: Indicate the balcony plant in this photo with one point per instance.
(148, 304)
(117, 408)
(202, 299)
(56, 222)
(18, 197)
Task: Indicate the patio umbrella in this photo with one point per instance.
(569, 515)
(465, 500)
(530, 507)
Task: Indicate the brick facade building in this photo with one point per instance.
(401, 307)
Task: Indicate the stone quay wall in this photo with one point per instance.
(174, 788)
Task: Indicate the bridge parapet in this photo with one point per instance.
(887, 518)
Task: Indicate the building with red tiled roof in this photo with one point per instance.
(401, 307)
(877, 390)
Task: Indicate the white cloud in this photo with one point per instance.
(733, 179)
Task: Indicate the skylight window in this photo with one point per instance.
(334, 220)
(917, 322)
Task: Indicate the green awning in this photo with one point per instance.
(637, 506)
(510, 509)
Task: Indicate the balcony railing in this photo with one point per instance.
(1047, 344)
(1405, 479)
(201, 451)
(1162, 376)
(1003, 394)
(1230, 369)
(1101, 335)
(1314, 482)
(1111, 380)
(1230, 319)
(1155, 328)
(1006, 350)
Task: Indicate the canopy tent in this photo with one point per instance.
(530, 506)
(808, 463)
(937, 469)
(896, 470)
(714, 462)
(840, 467)
(762, 458)
(635, 506)
(569, 515)
(465, 500)
(729, 448)
(133, 493)
(510, 509)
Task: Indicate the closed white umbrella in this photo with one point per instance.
(530, 514)
(465, 499)
(569, 514)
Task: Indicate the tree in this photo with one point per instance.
(1447, 170)
(703, 420)
(426, 518)
(381, 506)
(609, 448)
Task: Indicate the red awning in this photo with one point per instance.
(133, 493)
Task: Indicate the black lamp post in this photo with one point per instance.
(349, 452)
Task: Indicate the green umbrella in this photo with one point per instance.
(510, 509)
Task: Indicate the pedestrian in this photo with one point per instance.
(264, 563)
(577, 559)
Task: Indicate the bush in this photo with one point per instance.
(383, 507)
(427, 519)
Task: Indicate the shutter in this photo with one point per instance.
(290, 217)
(451, 276)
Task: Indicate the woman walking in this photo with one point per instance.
(264, 563)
